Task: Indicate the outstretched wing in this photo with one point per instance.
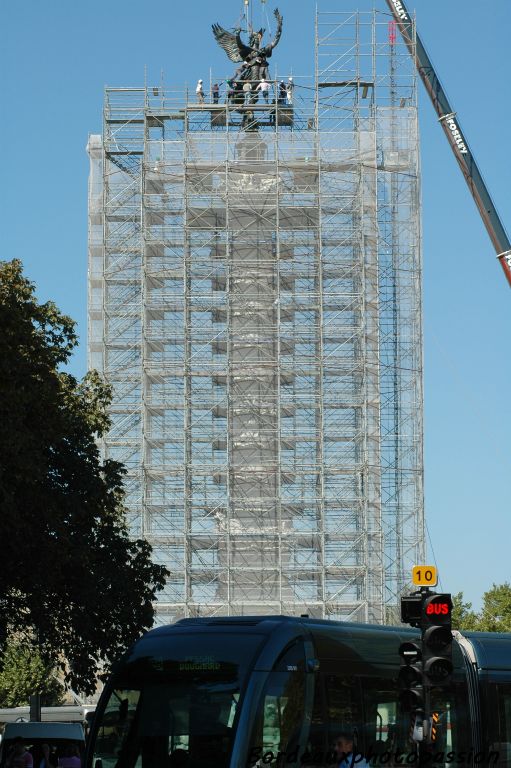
(269, 48)
(232, 44)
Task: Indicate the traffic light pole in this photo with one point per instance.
(427, 714)
(425, 593)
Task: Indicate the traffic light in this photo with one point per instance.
(411, 609)
(436, 640)
(410, 678)
(410, 673)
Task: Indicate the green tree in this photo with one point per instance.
(24, 673)
(495, 615)
(463, 617)
(70, 574)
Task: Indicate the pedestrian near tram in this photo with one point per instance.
(18, 755)
(345, 754)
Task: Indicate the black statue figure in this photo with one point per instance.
(254, 57)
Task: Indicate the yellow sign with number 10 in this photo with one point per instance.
(424, 576)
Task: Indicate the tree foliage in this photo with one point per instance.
(463, 617)
(496, 612)
(70, 575)
(494, 616)
(24, 673)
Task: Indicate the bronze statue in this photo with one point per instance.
(254, 57)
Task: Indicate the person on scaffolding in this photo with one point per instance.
(199, 92)
(282, 93)
(289, 90)
(264, 87)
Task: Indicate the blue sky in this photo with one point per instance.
(58, 55)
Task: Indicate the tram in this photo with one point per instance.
(251, 691)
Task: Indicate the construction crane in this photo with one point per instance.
(452, 129)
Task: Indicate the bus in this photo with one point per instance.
(237, 692)
(62, 738)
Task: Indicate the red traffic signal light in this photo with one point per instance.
(436, 609)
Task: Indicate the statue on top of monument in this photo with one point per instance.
(253, 56)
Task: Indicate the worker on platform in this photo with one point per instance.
(289, 90)
(215, 92)
(281, 98)
(264, 88)
(199, 92)
(247, 91)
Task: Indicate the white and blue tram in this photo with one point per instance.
(251, 691)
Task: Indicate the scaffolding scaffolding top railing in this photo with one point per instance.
(157, 103)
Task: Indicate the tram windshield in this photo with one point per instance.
(174, 703)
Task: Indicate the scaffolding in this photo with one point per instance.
(255, 303)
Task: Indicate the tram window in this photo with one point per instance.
(382, 729)
(279, 723)
(387, 728)
(343, 706)
(454, 734)
(317, 744)
(500, 728)
(505, 715)
(116, 723)
(177, 706)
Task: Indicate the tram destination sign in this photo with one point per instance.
(424, 576)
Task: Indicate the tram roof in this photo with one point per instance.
(492, 649)
(268, 623)
(354, 642)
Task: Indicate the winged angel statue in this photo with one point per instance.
(253, 56)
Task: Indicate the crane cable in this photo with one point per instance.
(245, 15)
(242, 16)
(268, 20)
